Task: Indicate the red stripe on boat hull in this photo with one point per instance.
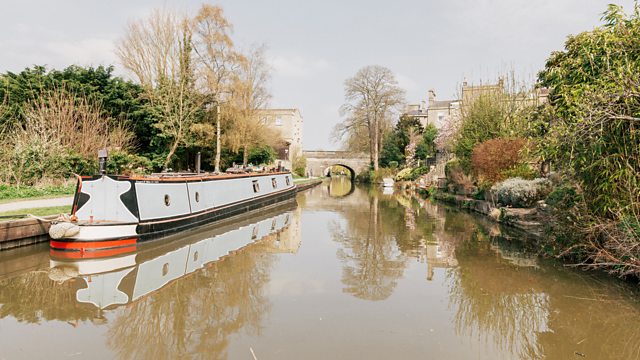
(91, 245)
(63, 254)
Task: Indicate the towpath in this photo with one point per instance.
(39, 203)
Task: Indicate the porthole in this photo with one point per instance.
(195, 256)
(167, 200)
(197, 196)
(165, 269)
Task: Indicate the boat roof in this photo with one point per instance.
(180, 177)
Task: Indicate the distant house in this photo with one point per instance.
(289, 123)
(438, 112)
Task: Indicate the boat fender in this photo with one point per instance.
(63, 229)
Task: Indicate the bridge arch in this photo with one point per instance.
(318, 162)
(327, 171)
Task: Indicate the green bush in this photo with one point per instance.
(563, 197)
(122, 163)
(452, 166)
(519, 192)
(522, 170)
(262, 155)
(299, 164)
(404, 174)
(365, 177)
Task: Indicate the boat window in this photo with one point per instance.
(197, 196)
(288, 183)
(274, 183)
(167, 200)
(254, 235)
(195, 256)
(273, 224)
(256, 186)
(165, 269)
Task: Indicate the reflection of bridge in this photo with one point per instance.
(318, 162)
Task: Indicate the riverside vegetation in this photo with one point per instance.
(577, 154)
(193, 91)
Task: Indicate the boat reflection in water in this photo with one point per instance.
(113, 281)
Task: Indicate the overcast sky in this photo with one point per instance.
(314, 46)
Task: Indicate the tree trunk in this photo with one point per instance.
(245, 155)
(174, 147)
(218, 147)
(375, 145)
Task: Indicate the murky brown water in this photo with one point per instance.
(347, 274)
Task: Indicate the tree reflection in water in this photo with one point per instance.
(534, 312)
(194, 317)
(376, 242)
(499, 295)
(33, 297)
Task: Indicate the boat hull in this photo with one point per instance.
(115, 237)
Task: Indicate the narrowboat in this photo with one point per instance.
(111, 212)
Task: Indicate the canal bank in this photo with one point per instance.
(33, 230)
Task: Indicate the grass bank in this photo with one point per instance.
(11, 192)
(22, 213)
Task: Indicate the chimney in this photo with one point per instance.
(432, 96)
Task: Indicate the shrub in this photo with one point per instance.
(262, 155)
(299, 164)
(563, 197)
(365, 176)
(410, 174)
(123, 163)
(404, 174)
(492, 158)
(417, 172)
(459, 182)
(518, 192)
(522, 170)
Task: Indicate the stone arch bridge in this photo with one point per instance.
(318, 162)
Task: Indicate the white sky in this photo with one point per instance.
(314, 46)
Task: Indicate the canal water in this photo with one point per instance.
(344, 273)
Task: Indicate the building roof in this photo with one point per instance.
(442, 103)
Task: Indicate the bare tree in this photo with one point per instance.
(216, 62)
(157, 50)
(249, 96)
(372, 96)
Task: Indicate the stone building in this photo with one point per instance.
(438, 112)
(289, 123)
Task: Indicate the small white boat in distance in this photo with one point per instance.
(387, 182)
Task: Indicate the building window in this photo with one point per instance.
(274, 183)
(440, 117)
(256, 186)
(278, 121)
